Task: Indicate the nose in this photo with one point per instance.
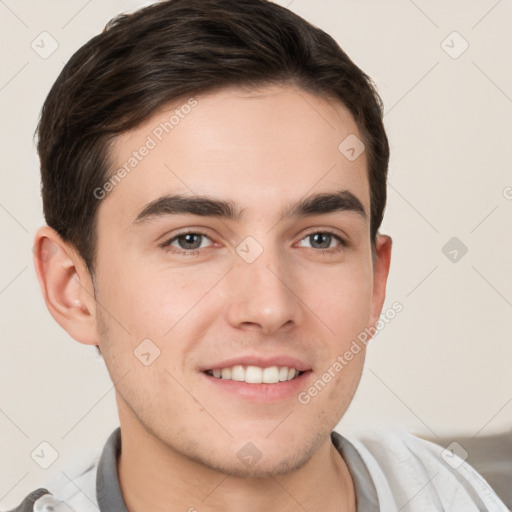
(263, 294)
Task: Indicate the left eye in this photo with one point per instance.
(323, 239)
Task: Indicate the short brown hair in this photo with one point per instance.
(145, 60)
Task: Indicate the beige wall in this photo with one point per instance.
(441, 366)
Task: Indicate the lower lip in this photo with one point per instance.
(262, 393)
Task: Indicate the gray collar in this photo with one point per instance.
(366, 494)
(110, 498)
(108, 491)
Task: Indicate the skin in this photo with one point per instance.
(262, 149)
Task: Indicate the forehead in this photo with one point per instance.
(261, 149)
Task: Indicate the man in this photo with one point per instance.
(214, 179)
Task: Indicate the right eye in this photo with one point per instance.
(189, 243)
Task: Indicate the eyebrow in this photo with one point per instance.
(204, 206)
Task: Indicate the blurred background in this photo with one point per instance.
(440, 368)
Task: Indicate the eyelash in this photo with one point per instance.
(196, 252)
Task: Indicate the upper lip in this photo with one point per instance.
(261, 361)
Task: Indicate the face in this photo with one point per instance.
(245, 288)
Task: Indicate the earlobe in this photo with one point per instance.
(66, 285)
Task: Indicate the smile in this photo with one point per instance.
(255, 374)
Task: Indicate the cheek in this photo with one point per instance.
(345, 384)
(341, 299)
(152, 302)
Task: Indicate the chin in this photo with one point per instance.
(257, 467)
(258, 459)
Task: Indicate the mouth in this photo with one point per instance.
(255, 374)
(258, 378)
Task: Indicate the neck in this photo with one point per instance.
(155, 477)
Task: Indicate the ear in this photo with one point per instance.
(66, 285)
(380, 275)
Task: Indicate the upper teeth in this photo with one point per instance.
(255, 374)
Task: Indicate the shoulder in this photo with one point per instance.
(414, 474)
(72, 490)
